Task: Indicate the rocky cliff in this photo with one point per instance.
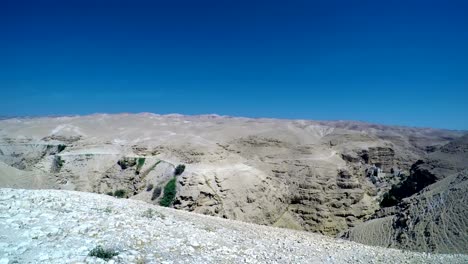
(323, 177)
(426, 211)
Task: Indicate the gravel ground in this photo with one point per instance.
(50, 226)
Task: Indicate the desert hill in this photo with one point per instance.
(324, 177)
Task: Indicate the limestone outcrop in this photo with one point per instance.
(324, 177)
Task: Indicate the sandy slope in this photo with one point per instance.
(49, 226)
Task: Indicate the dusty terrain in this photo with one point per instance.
(63, 227)
(431, 210)
(324, 177)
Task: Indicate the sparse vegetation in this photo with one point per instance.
(140, 163)
(150, 213)
(149, 187)
(120, 193)
(156, 193)
(57, 164)
(61, 148)
(126, 163)
(102, 253)
(179, 169)
(169, 193)
(60, 161)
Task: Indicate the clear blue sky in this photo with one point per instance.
(390, 62)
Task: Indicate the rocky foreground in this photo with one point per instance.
(51, 226)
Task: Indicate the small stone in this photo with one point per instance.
(43, 257)
(195, 244)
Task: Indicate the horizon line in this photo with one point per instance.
(6, 117)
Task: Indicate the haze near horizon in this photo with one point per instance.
(400, 63)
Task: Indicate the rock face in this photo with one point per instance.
(51, 226)
(323, 177)
(26, 156)
(427, 211)
(382, 157)
(433, 220)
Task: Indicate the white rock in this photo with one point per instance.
(69, 237)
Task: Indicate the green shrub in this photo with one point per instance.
(140, 163)
(57, 163)
(102, 253)
(110, 193)
(61, 148)
(120, 193)
(156, 193)
(149, 187)
(169, 193)
(60, 161)
(150, 213)
(125, 163)
(179, 169)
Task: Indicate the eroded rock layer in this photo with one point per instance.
(322, 177)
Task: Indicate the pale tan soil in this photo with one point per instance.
(299, 174)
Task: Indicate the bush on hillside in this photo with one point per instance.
(140, 163)
(156, 193)
(120, 193)
(149, 187)
(57, 163)
(102, 253)
(169, 193)
(179, 169)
